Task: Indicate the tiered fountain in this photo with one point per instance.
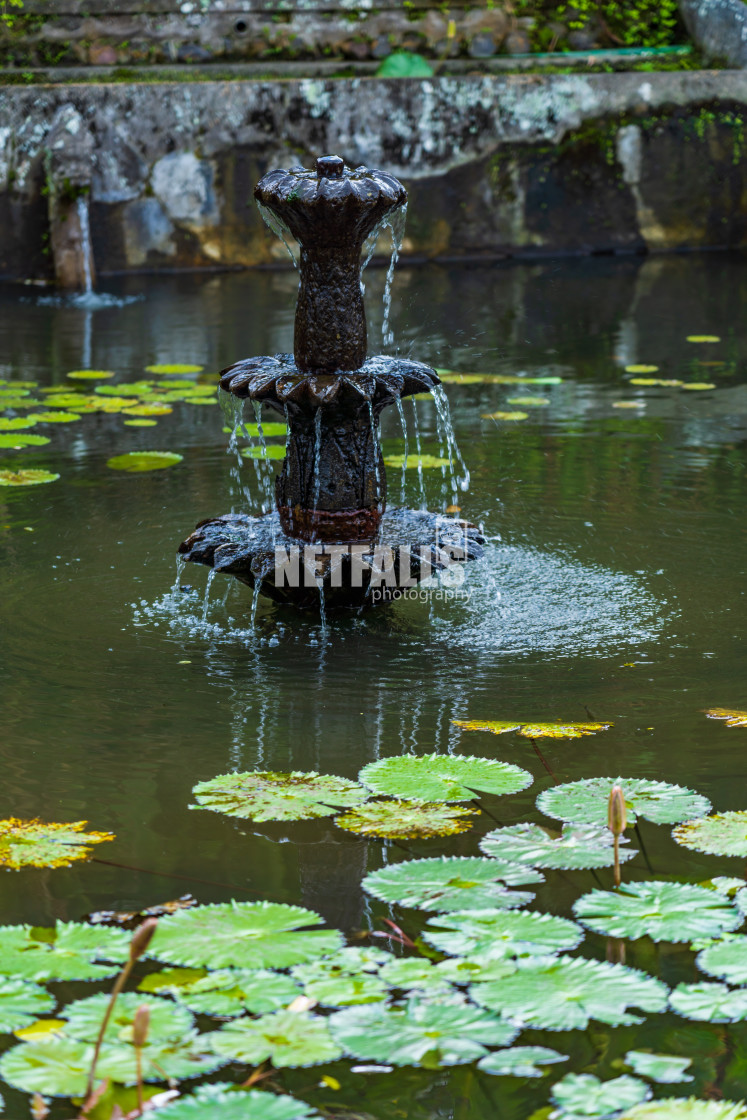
(331, 491)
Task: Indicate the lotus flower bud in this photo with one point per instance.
(141, 938)
(140, 1026)
(617, 818)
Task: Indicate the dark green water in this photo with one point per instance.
(613, 588)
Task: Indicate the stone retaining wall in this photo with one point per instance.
(494, 164)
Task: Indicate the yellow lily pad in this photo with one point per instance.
(165, 370)
(641, 369)
(450, 376)
(505, 416)
(732, 717)
(29, 477)
(90, 374)
(155, 409)
(41, 1028)
(667, 382)
(413, 461)
(703, 338)
(40, 844)
(628, 404)
(137, 461)
(141, 423)
(699, 386)
(272, 451)
(533, 730)
(529, 402)
(61, 417)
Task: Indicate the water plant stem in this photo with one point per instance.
(487, 812)
(644, 853)
(544, 761)
(172, 875)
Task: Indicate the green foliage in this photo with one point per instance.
(499, 934)
(520, 1061)
(286, 1038)
(70, 951)
(710, 1003)
(404, 64)
(430, 1033)
(21, 1002)
(565, 994)
(445, 883)
(665, 1069)
(222, 1101)
(659, 910)
(226, 992)
(586, 801)
(673, 1108)
(578, 846)
(347, 978)
(134, 462)
(84, 1018)
(439, 777)
(722, 834)
(242, 935)
(726, 959)
(583, 1095)
(268, 796)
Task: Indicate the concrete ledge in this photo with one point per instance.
(495, 165)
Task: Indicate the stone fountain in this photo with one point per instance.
(331, 542)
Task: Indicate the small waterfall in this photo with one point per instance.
(396, 223)
(279, 228)
(375, 438)
(316, 476)
(419, 452)
(81, 205)
(446, 435)
(181, 564)
(403, 422)
(206, 600)
(255, 602)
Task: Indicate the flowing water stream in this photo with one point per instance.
(612, 588)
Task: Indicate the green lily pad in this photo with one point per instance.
(504, 416)
(53, 1066)
(564, 994)
(664, 1069)
(414, 462)
(677, 1108)
(84, 1018)
(43, 844)
(659, 910)
(286, 1038)
(424, 1032)
(222, 1101)
(60, 417)
(154, 408)
(17, 440)
(136, 461)
(583, 1095)
(70, 951)
(227, 992)
(450, 376)
(520, 1061)
(529, 402)
(242, 935)
(27, 477)
(350, 977)
(586, 802)
(174, 369)
(578, 846)
(726, 959)
(270, 429)
(722, 834)
(90, 374)
(444, 883)
(443, 777)
(703, 338)
(262, 795)
(414, 974)
(140, 423)
(406, 820)
(21, 1003)
(270, 451)
(710, 1003)
(498, 934)
(17, 423)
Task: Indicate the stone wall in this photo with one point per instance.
(495, 165)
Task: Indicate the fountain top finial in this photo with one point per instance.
(330, 167)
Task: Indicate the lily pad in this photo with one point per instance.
(665, 1069)
(136, 461)
(28, 477)
(264, 795)
(677, 1108)
(586, 801)
(663, 382)
(443, 777)
(699, 386)
(269, 451)
(659, 910)
(21, 1003)
(174, 369)
(40, 844)
(270, 429)
(732, 717)
(504, 416)
(710, 1003)
(583, 1095)
(533, 730)
(414, 974)
(520, 1061)
(60, 417)
(578, 846)
(222, 1101)
(350, 977)
(16, 423)
(17, 440)
(529, 402)
(703, 338)
(414, 462)
(564, 994)
(406, 820)
(90, 374)
(726, 959)
(424, 1032)
(156, 408)
(444, 883)
(641, 369)
(450, 376)
(140, 423)
(70, 951)
(286, 1038)
(722, 834)
(226, 992)
(498, 934)
(628, 404)
(242, 935)
(84, 1018)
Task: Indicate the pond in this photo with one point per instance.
(612, 590)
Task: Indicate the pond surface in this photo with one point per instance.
(612, 589)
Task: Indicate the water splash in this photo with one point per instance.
(280, 229)
(317, 476)
(403, 422)
(396, 223)
(206, 601)
(419, 453)
(448, 441)
(81, 205)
